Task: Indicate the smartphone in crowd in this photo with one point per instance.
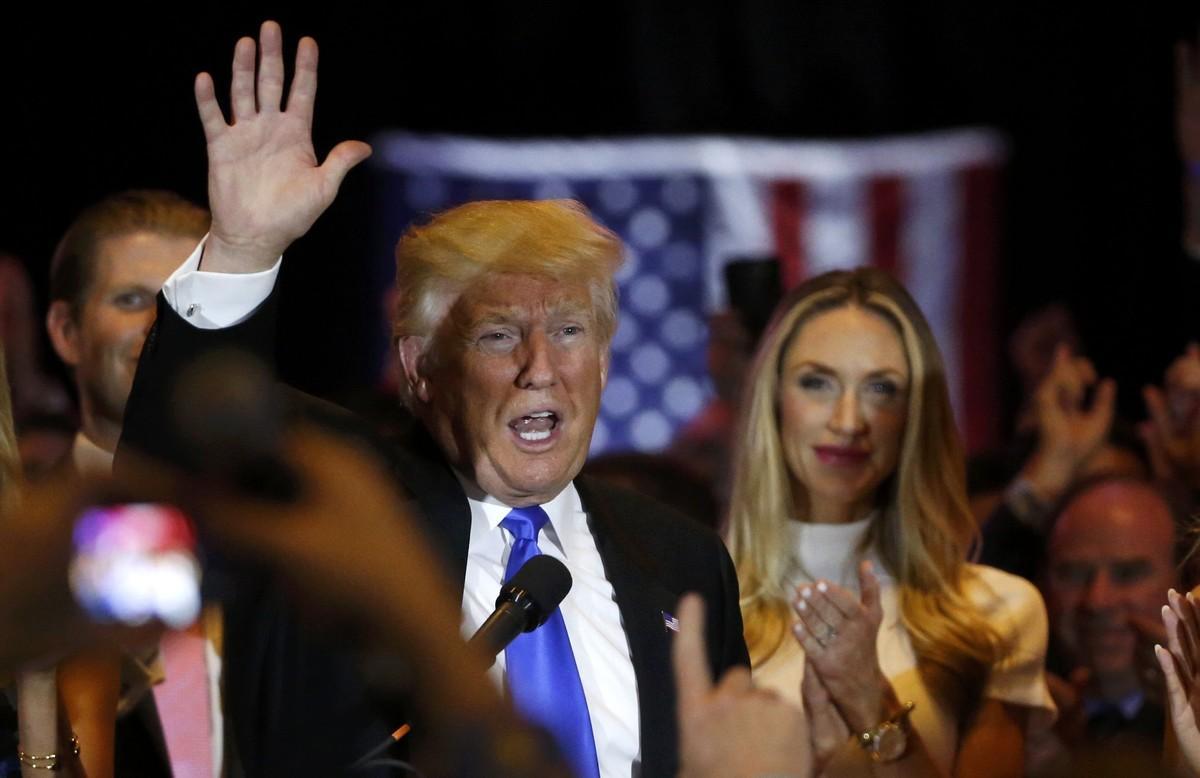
(136, 562)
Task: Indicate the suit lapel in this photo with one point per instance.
(439, 499)
(641, 599)
(644, 604)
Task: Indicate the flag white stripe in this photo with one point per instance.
(931, 249)
(738, 224)
(835, 232)
(705, 155)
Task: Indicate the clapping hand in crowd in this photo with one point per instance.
(1172, 433)
(1071, 429)
(1180, 662)
(844, 689)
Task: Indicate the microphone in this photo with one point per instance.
(524, 604)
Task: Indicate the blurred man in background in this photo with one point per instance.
(1112, 554)
(104, 276)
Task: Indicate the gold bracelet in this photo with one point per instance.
(47, 761)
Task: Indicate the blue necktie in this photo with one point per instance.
(543, 680)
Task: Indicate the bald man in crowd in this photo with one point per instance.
(1112, 555)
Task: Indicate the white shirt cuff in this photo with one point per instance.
(213, 301)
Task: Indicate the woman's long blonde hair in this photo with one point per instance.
(924, 528)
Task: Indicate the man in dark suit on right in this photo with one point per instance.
(503, 327)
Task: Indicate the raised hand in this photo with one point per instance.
(731, 728)
(1070, 431)
(838, 632)
(1181, 617)
(1172, 434)
(265, 186)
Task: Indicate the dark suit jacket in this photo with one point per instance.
(1012, 545)
(295, 701)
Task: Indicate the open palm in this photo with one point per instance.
(1181, 669)
(265, 185)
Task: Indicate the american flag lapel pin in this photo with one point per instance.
(670, 623)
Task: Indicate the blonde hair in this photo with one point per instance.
(924, 527)
(557, 239)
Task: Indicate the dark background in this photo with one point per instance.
(92, 104)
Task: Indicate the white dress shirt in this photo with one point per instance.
(598, 641)
(590, 612)
(212, 301)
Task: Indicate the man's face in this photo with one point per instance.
(1110, 562)
(512, 386)
(105, 338)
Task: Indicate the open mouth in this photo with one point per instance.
(535, 427)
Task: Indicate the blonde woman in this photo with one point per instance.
(77, 696)
(850, 529)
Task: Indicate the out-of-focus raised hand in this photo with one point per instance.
(1180, 663)
(730, 728)
(265, 186)
(1172, 433)
(1070, 430)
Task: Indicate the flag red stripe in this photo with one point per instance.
(978, 306)
(885, 206)
(787, 203)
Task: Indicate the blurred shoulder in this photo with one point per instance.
(1009, 602)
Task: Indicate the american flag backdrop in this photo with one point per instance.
(923, 207)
